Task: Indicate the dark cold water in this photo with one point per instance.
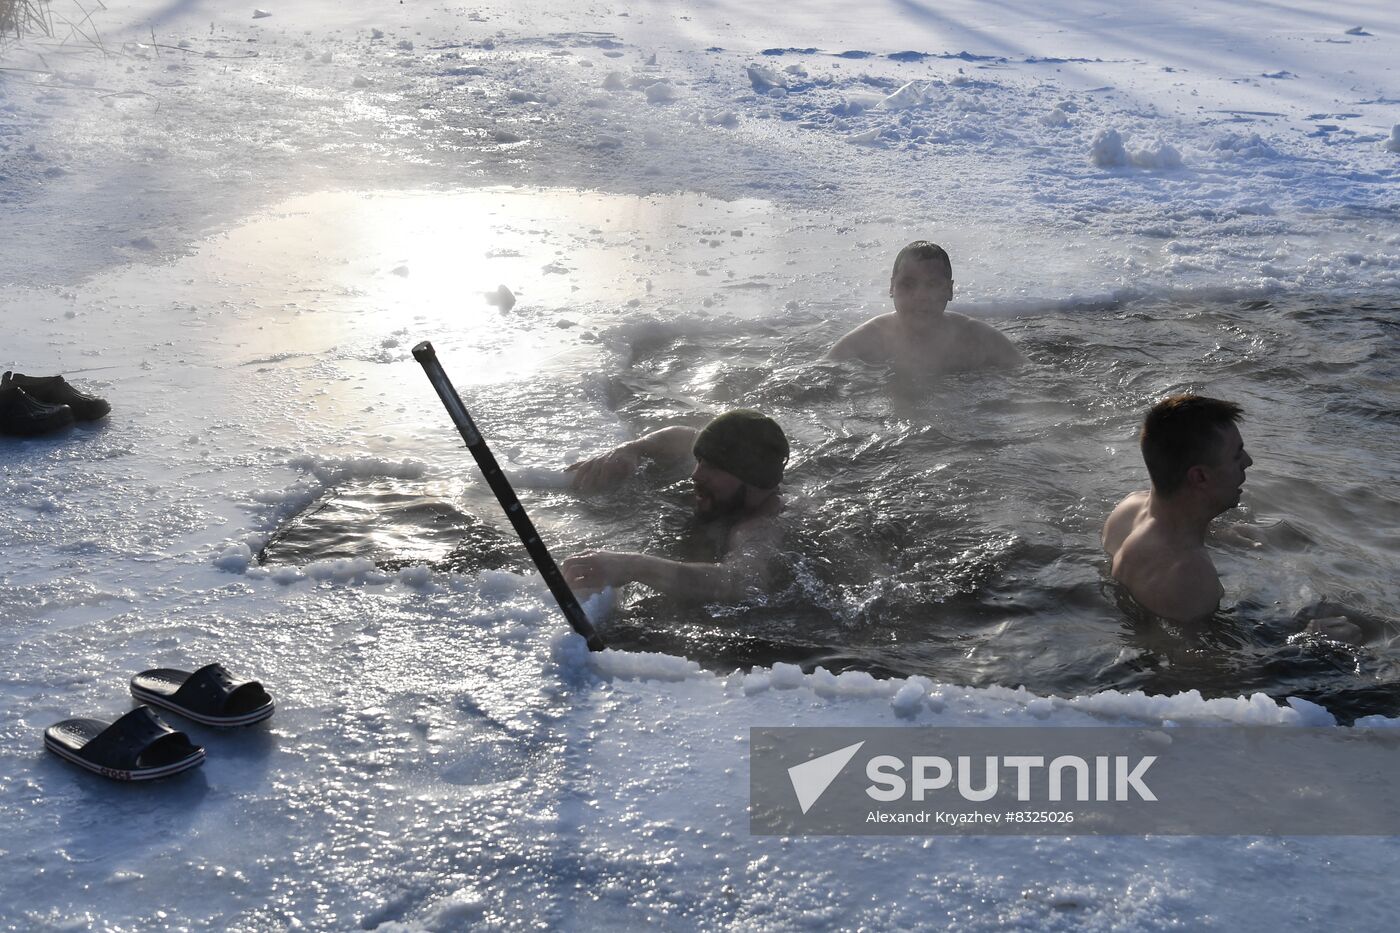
(949, 528)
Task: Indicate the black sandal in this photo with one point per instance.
(137, 747)
(209, 696)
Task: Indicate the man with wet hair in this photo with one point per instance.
(1157, 538)
(738, 465)
(920, 336)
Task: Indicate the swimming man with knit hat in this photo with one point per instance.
(738, 465)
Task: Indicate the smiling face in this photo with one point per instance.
(920, 289)
(717, 492)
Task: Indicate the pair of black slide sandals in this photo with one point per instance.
(139, 746)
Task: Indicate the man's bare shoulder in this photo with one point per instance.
(1121, 521)
(867, 342)
(1183, 587)
(1168, 577)
(982, 342)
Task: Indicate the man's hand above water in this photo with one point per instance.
(592, 571)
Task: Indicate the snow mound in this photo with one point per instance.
(659, 93)
(1108, 151)
(1393, 143)
(1157, 155)
(1240, 146)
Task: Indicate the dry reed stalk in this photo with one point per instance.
(20, 18)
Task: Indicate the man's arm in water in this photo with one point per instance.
(666, 446)
(744, 570)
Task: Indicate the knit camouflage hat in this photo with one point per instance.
(747, 444)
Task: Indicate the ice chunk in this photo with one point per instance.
(660, 93)
(360, 81)
(786, 676)
(343, 570)
(502, 298)
(332, 470)
(1055, 117)
(909, 699)
(908, 96)
(235, 558)
(416, 576)
(456, 910)
(1393, 143)
(600, 606)
(764, 79)
(260, 14)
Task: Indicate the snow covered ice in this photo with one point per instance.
(235, 226)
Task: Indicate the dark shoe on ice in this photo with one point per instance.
(137, 747)
(23, 415)
(209, 696)
(55, 390)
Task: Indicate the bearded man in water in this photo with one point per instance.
(738, 460)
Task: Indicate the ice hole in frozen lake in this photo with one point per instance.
(951, 532)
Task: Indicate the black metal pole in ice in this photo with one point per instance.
(573, 612)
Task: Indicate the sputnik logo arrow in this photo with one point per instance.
(811, 778)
